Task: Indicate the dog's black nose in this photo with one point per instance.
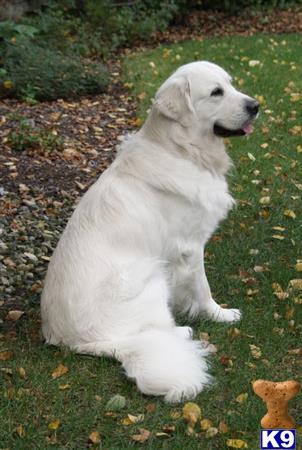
(252, 107)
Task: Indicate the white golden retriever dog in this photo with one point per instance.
(132, 252)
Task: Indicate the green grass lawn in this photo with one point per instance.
(252, 257)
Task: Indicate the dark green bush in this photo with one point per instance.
(42, 74)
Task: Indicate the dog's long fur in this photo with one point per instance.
(132, 252)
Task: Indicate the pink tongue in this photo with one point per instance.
(248, 129)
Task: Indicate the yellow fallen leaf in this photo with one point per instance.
(142, 95)
(20, 431)
(242, 398)
(161, 434)
(295, 97)
(59, 371)
(296, 284)
(8, 84)
(236, 443)
(255, 351)
(234, 333)
(130, 419)
(254, 63)
(290, 213)
(278, 228)
(278, 236)
(206, 424)
(175, 415)
(191, 413)
(298, 266)
(95, 437)
(21, 372)
(281, 295)
(63, 387)
(211, 432)
(54, 425)
(277, 287)
(265, 200)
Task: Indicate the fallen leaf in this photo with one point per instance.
(54, 425)
(5, 355)
(206, 424)
(242, 398)
(20, 431)
(265, 200)
(80, 185)
(236, 443)
(130, 419)
(296, 284)
(278, 236)
(21, 372)
(254, 63)
(281, 295)
(14, 315)
(169, 428)
(143, 435)
(222, 427)
(95, 437)
(161, 434)
(191, 412)
(226, 360)
(116, 403)
(256, 352)
(295, 351)
(298, 266)
(175, 415)
(59, 371)
(151, 407)
(290, 213)
(211, 432)
(290, 313)
(63, 387)
(6, 370)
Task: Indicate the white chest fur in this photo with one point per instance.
(196, 220)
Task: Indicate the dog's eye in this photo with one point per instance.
(216, 92)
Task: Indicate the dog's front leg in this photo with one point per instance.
(192, 293)
(206, 305)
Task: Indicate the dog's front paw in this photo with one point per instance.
(226, 315)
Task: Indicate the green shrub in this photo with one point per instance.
(42, 74)
(25, 136)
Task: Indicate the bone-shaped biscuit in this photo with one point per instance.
(276, 396)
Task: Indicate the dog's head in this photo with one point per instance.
(201, 94)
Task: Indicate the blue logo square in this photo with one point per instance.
(277, 439)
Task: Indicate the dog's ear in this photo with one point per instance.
(173, 100)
